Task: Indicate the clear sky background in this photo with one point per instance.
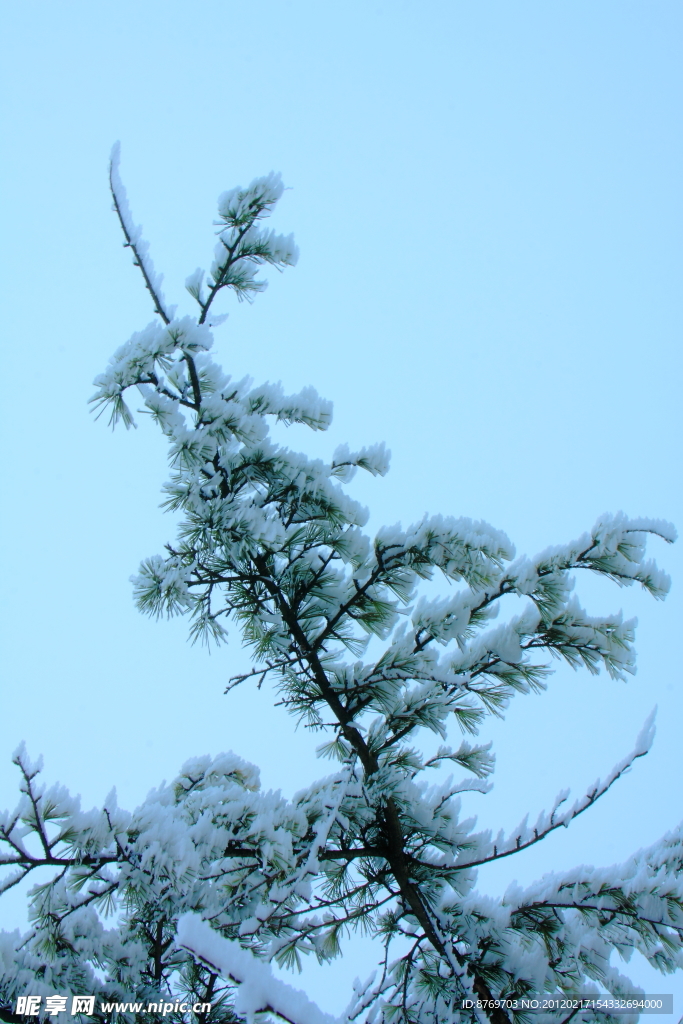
(487, 200)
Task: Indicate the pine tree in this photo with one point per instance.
(185, 901)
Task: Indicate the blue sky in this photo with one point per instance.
(486, 196)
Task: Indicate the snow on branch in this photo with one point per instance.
(258, 989)
(525, 836)
(375, 459)
(133, 234)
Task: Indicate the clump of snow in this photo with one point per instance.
(258, 989)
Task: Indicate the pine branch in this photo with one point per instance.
(120, 207)
(555, 821)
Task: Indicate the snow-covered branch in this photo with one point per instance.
(133, 236)
(547, 822)
(258, 989)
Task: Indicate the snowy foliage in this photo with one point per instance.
(270, 542)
